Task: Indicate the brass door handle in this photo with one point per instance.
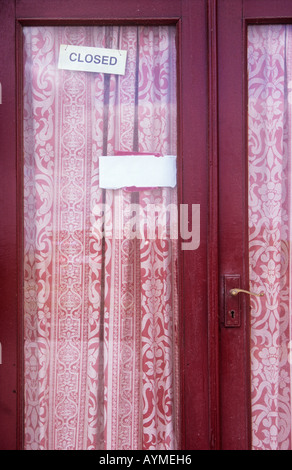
(237, 291)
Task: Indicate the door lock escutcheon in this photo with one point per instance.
(232, 302)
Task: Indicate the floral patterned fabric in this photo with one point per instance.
(100, 305)
(269, 134)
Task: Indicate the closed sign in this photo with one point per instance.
(92, 59)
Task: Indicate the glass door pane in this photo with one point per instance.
(100, 265)
(269, 159)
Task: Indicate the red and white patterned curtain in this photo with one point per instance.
(270, 230)
(100, 308)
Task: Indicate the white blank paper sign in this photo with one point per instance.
(137, 170)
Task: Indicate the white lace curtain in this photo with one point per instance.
(269, 129)
(100, 310)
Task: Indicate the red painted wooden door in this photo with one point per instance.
(212, 172)
(188, 19)
(236, 81)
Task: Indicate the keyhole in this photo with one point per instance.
(232, 313)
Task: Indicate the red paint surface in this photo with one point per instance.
(212, 173)
(8, 244)
(190, 18)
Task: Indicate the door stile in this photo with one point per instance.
(20, 217)
(180, 195)
(193, 109)
(8, 272)
(233, 257)
(246, 235)
(213, 267)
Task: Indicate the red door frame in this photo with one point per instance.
(8, 237)
(191, 19)
(212, 146)
(234, 342)
(233, 18)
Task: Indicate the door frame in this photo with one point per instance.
(215, 366)
(8, 235)
(233, 19)
(194, 354)
(233, 357)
